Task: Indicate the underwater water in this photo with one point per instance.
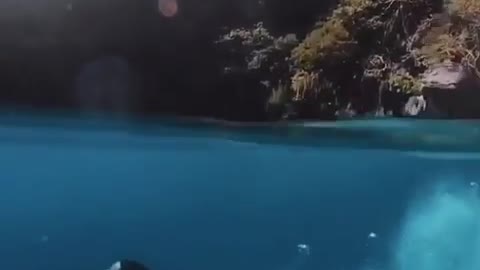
(393, 195)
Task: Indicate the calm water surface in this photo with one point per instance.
(394, 195)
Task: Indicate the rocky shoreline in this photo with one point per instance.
(405, 58)
(244, 60)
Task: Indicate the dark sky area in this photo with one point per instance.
(123, 55)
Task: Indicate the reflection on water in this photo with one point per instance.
(188, 195)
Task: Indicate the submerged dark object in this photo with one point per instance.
(128, 265)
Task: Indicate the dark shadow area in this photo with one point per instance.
(123, 56)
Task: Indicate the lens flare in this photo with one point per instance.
(168, 8)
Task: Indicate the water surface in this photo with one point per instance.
(79, 194)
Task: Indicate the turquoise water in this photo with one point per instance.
(182, 195)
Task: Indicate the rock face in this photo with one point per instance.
(451, 91)
(415, 106)
(444, 76)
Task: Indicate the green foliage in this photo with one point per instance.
(307, 85)
(303, 82)
(372, 35)
(405, 83)
(256, 36)
(468, 9)
(339, 35)
(349, 10)
(447, 47)
(333, 38)
(455, 40)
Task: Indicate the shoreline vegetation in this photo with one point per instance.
(374, 58)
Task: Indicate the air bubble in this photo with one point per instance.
(303, 249)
